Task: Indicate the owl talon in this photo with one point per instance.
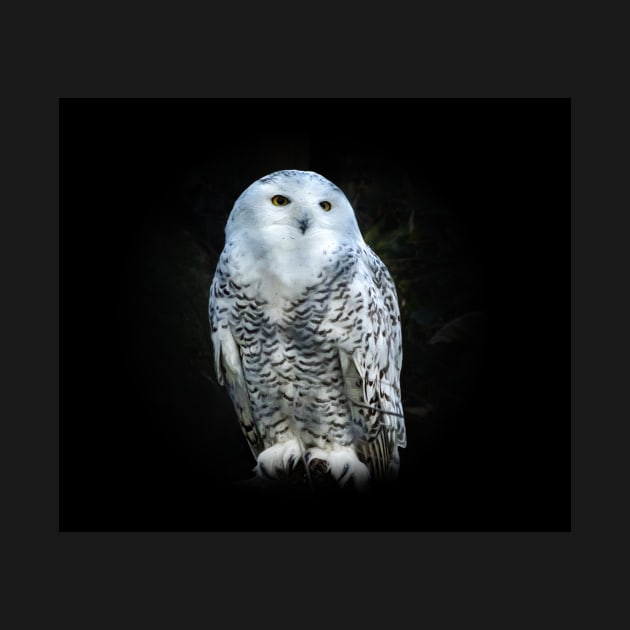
(346, 468)
(277, 461)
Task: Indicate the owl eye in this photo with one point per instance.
(279, 200)
(326, 205)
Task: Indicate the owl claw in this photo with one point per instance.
(346, 468)
(278, 460)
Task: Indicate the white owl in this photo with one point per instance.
(306, 334)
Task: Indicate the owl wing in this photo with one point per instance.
(227, 356)
(371, 368)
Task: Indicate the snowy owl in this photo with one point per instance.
(305, 327)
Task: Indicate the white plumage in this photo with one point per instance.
(306, 333)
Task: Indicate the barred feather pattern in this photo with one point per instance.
(306, 335)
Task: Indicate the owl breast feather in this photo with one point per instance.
(287, 270)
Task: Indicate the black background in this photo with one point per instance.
(143, 449)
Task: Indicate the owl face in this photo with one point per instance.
(296, 204)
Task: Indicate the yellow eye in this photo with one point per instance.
(279, 200)
(326, 205)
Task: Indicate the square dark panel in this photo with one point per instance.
(467, 202)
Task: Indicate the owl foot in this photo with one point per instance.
(277, 461)
(342, 464)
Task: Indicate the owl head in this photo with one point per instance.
(299, 204)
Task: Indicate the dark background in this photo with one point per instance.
(467, 202)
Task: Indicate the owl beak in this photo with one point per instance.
(303, 224)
